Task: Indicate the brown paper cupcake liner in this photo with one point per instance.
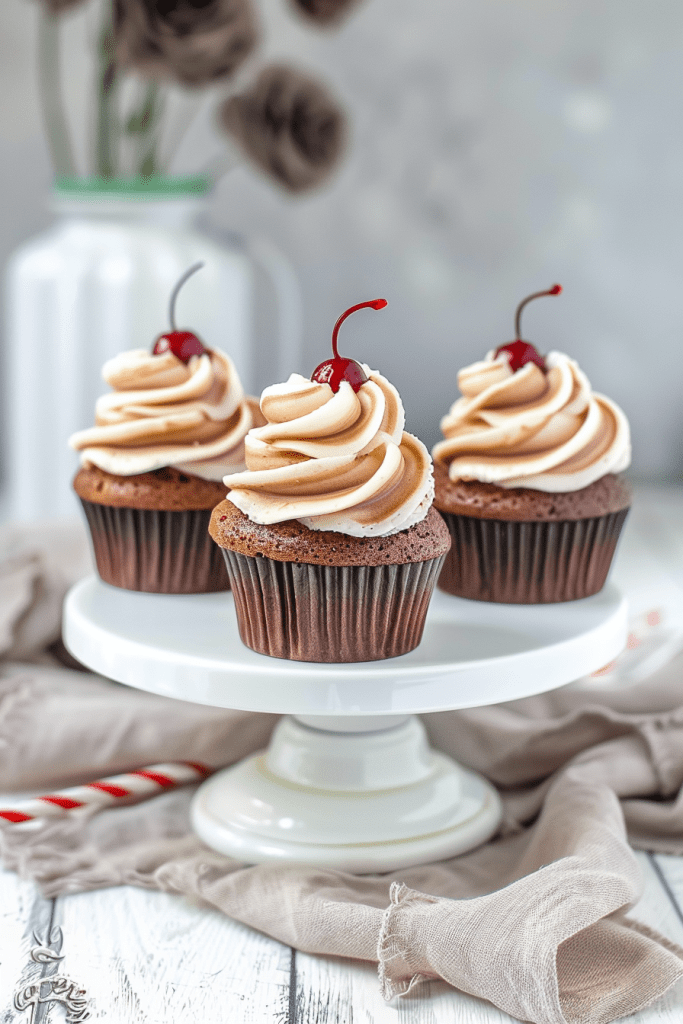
(330, 613)
(529, 563)
(156, 551)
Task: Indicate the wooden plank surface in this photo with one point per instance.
(147, 957)
(334, 991)
(659, 908)
(153, 958)
(22, 911)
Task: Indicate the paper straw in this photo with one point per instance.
(130, 787)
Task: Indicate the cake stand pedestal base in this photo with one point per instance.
(349, 780)
(359, 794)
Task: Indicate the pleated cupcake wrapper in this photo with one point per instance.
(329, 613)
(157, 551)
(529, 563)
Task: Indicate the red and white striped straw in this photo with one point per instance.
(131, 787)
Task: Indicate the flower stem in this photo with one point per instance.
(107, 88)
(49, 87)
(148, 130)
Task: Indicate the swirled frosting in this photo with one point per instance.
(163, 412)
(334, 461)
(547, 431)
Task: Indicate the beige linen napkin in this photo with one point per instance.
(534, 921)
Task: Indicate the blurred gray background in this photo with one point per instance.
(498, 146)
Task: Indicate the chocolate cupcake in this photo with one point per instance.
(329, 538)
(527, 478)
(172, 427)
(310, 595)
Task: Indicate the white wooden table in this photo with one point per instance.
(151, 958)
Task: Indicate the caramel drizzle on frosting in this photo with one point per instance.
(339, 462)
(550, 432)
(163, 412)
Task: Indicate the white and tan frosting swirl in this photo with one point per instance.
(163, 412)
(547, 431)
(340, 462)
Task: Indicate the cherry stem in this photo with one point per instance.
(375, 304)
(174, 294)
(555, 290)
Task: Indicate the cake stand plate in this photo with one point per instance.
(349, 780)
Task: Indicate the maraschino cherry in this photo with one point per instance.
(522, 352)
(183, 344)
(334, 371)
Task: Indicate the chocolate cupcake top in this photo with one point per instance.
(293, 542)
(165, 411)
(541, 427)
(335, 460)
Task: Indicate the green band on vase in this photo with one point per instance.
(155, 186)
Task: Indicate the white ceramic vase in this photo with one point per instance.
(98, 283)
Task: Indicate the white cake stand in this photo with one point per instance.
(349, 780)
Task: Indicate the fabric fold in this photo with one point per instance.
(571, 956)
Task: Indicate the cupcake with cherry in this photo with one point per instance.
(331, 542)
(171, 428)
(528, 477)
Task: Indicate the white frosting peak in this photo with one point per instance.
(547, 431)
(163, 412)
(338, 462)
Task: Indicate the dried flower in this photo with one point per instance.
(324, 12)
(289, 125)
(194, 42)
